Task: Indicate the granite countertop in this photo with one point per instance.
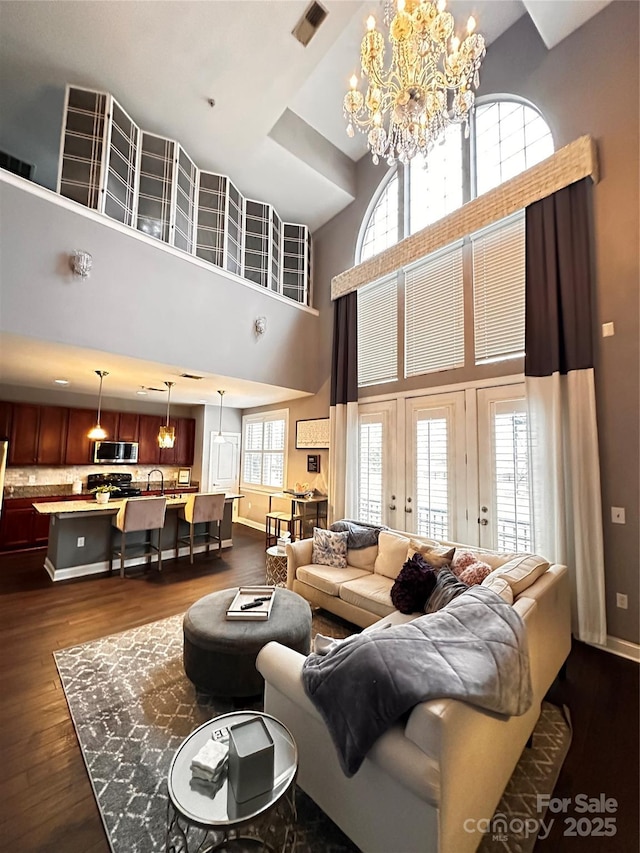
(111, 507)
(63, 489)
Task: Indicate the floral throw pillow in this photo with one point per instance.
(329, 548)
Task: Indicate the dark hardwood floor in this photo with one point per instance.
(46, 800)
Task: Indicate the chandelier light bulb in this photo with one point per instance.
(371, 23)
(401, 5)
(353, 82)
(455, 44)
(442, 5)
(471, 24)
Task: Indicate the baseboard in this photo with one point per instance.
(248, 522)
(622, 648)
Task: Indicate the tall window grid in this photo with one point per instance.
(264, 442)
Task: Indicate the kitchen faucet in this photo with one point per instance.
(153, 471)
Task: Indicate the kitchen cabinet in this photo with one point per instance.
(22, 527)
(128, 426)
(185, 441)
(148, 450)
(38, 435)
(79, 448)
(6, 414)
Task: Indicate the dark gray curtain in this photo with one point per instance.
(343, 452)
(344, 367)
(558, 320)
(561, 405)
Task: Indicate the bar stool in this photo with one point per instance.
(138, 514)
(275, 522)
(201, 508)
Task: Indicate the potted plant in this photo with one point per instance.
(103, 493)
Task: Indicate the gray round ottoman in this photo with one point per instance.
(220, 654)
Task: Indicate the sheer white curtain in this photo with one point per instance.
(560, 387)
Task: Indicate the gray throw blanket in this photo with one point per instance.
(361, 534)
(474, 650)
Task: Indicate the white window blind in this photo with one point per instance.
(432, 476)
(499, 290)
(512, 480)
(434, 313)
(264, 442)
(370, 470)
(378, 332)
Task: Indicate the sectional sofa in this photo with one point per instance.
(430, 779)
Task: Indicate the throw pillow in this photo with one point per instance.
(475, 573)
(392, 554)
(436, 555)
(522, 571)
(461, 560)
(413, 586)
(329, 549)
(446, 589)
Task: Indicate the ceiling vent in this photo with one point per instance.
(190, 376)
(309, 23)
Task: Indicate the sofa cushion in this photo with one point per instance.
(520, 572)
(371, 592)
(326, 578)
(446, 589)
(329, 548)
(437, 555)
(499, 586)
(392, 554)
(362, 558)
(414, 585)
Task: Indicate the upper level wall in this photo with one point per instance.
(143, 299)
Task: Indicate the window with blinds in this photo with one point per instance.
(264, 439)
(434, 313)
(499, 290)
(432, 476)
(512, 478)
(378, 332)
(370, 475)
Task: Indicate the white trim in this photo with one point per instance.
(621, 648)
(493, 382)
(264, 417)
(130, 231)
(102, 567)
(248, 522)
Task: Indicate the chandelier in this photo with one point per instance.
(429, 84)
(167, 434)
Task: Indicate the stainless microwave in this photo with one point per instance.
(118, 452)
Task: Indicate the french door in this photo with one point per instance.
(449, 466)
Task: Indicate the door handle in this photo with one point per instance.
(483, 521)
(392, 506)
(408, 509)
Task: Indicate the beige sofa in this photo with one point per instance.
(429, 779)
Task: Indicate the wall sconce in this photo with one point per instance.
(80, 263)
(260, 326)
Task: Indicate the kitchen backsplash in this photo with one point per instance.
(16, 478)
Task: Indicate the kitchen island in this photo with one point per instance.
(80, 534)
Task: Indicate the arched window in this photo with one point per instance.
(381, 230)
(508, 135)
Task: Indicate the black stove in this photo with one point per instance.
(119, 479)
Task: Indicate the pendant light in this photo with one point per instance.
(97, 433)
(167, 434)
(219, 438)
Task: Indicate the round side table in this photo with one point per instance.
(202, 815)
(276, 567)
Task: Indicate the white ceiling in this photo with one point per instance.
(277, 127)
(37, 364)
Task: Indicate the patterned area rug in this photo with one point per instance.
(132, 706)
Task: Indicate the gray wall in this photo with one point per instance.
(588, 84)
(140, 301)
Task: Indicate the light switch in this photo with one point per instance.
(617, 515)
(608, 330)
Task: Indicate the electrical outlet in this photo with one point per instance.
(608, 330)
(617, 515)
(622, 601)
(32, 480)
(80, 541)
